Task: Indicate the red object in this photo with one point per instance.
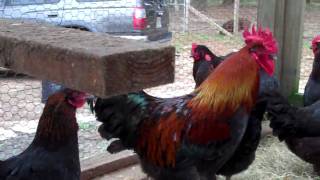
(265, 38)
(314, 43)
(139, 18)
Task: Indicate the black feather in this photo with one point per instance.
(290, 121)
(120, 116)
(312, 89)
(49, 156)
(203, 67)
(245, 153)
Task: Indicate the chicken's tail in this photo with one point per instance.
(120, 116)
(281, 114)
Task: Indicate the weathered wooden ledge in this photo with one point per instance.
(105, 163)
(91, 62)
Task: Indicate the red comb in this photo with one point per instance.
(194, 46)
(261, 36)
(314, 43)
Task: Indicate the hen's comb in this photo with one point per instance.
(314, 42)
(262, 37)
(194, 46)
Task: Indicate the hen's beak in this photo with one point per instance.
(89, 96)
(273, 56)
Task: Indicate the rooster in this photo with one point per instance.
(192, 136)
(312, 89)
(53, 153)
(205, 62)
(298, 127)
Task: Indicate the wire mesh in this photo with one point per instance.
(20, 95)
(20, 110)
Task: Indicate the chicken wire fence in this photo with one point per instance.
(154, 20)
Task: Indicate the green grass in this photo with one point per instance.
(86, 125)
(306, 44)
(185, 39)
(242, 2)
(296, 99)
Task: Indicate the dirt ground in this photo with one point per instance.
(273, 162)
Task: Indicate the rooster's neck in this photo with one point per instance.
(234, 84)
(57, 126)
(233, 81)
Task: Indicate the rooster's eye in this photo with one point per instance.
(257, 48)
(254, 49)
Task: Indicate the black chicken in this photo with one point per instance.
(308, 148)
(204, 62)
(312, 89)
(54, 153)
(298, 127)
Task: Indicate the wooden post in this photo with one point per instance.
(176, 5)
(186, 15)
(270, 14)
(236, 17)
(284, 18)
(292, 46)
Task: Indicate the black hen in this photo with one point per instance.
(204, 62)
(312, 89)
(298, 127)
(244, 155)
(54, 153)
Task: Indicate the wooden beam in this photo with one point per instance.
(285, 19)
(236, 16)
(92, 62)
(105, 163)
